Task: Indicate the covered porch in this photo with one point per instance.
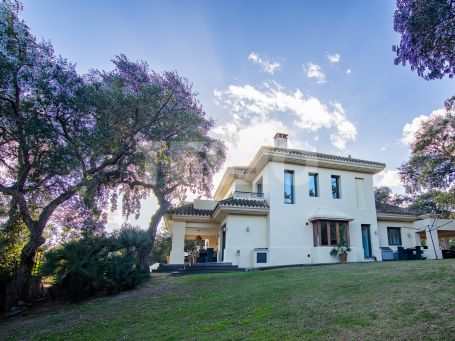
(193, 222)
(206, 236)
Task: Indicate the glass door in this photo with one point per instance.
(366, 241)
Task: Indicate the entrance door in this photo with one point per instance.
(366, 241)
(223, 241)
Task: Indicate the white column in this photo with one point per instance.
(375, 247)
(178, 243)
(431, 250)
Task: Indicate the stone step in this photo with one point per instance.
(169, 267)
(210, 267)
(203, 265)
(199, 272)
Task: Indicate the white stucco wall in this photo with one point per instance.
(204, 204)
(409, 235)
(243, 234)
(177, 255)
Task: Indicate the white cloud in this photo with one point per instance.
(266, 65)
(389, 178)
(348, 71)
(410, 129)
(315, 71)
(334, 58)
(251, 105)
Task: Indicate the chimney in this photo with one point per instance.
(281, 140)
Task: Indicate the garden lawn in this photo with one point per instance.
(408, 300)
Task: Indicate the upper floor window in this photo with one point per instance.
(335, 182)
(259, 186)
(360, 192)
(288, 187)
(313, 185)
(394, 235)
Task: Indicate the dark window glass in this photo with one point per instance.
(394, 235)
(335, 181)
(259, 187)
(343, 233)
(261, 257)
(324, 239)
(333, 233)
(330, 233)
(313, 185)
(288, 187)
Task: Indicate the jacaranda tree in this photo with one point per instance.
(67, 141)
(427, 29)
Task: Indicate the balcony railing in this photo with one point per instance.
(248, 195)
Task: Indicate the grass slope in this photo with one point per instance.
(411, 300)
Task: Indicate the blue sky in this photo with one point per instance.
(264, 66)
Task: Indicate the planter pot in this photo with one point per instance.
(343, 257)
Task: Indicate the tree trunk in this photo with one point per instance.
(19, 287)
(153, 228)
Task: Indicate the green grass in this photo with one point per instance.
(413, 300)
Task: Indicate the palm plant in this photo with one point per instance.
(135, 242)
(78, 266)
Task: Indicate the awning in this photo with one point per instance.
(329, 214)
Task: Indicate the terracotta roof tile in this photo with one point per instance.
(395, 210)
(243, 202)
(189, 210)
(316, 155)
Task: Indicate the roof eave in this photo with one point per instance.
(397, 217)
(221, 211)
(230, 174)
(186, 217)
(265, 155)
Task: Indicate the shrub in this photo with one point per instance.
(93, 266)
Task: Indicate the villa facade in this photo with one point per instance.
(292, 206)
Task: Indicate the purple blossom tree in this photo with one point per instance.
(67, 142)
(184, 160)
(427, 29)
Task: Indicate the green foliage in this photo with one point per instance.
(13, 237)
(431, 167)
(382, 194)
(193, 246)
(434, 202)
(161, 247)
(104, 265)
(340, 248)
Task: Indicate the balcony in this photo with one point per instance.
(248, 195)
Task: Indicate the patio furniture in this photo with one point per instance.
(418, 253)
(402, 255)
(387, 253)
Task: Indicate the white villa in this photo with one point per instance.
(292, 206)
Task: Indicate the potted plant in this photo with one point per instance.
(342, 251)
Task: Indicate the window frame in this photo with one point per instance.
(292, 199)
(317, 232)
(261, 184)
(315, 178)
(338, 185)
(399, 234)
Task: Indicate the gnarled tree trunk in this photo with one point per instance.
(19, 286)
(153, 228)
